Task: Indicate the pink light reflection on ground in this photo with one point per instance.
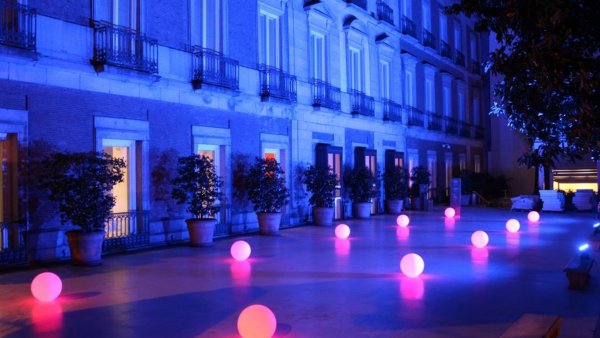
(241, 271)
(403, 233)
(342, 247)
(449, 224)
(47, 318)
(479, 256)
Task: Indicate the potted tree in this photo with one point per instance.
(361, 183)
(81, 184)
(198, 185)
(395, 189)
(265, 183)
(420, 177)
(321, 182)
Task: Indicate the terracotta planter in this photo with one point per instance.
(323, 216)
(86, 247)
(362, 210)
(394, 206)
(268, 223)
(201, 231)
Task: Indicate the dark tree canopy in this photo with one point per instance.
(549, 57)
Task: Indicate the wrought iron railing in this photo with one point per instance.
(126, 231)
(276, 83)
(451, 125)
(459, 58)
(475, 67)
(445, 49)
(325, 95)
(12, 244)
(17, 25)
(124, 47)
(428, 39)
(479, 132)
(415, 117)
(385, 12)
(360, 3)
(465, 129)
(361, 103)
(212, 67)
(409, 27)
(392, 111)
(434, 121)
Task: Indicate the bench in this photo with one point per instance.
(578, 271)
(532, 325)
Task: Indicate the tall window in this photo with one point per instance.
(407, 8)
(477, 163)
(212, 152)
(317, 56)
(124, 191)
(432, 167)
(413, 160)
(476, 113)
(8, 177)
(429, 95)
(269, 40)
(206, 24)
(462, 161)
(461, 107)
(443, 26)
(426, 14)
(457, 36)
(446, 101)
(124, 13)
(409, 85)
(355, 69)
(448, 167)
(384, 86)
(473, 42)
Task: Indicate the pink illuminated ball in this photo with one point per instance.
(257, 321)
(240, 250)
(402, 220)
(46, 287)
(412, 265)
(480, 239)
(513, 225)
(449, 212)
(533, 216)
(342, 231)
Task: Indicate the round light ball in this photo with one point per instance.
(257, 321)
(342, 231)
(480, 239)
(240, 250)
(449, 212)
(46, 287)
(402, 220)
(533, 216)
(412, 265)
(512, 225)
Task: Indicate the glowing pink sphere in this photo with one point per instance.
(480, 239)
(257, 321)
(402, 220)
(342, 231)
(533, 216)
(46, 287)
(240, 250)
(412, 265)
(513, 225)
(449, 212)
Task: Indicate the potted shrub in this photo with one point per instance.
(321, 182)
(265, 183)
(395, 189)
(198, 185)
(361, 183)
(81, 184)
(418, 191)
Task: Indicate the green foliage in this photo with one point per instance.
(361, 183)
(198, 185)
(394, 181)
(81, 184)
(418, 175)
(489, 186)
(265, 183)
(321, 182)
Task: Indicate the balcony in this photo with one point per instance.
(123, 47)
(459, 58)
(445, 49)
(361, 103)
(325, 95)
(434, 121)
(392, 111)
(360, 3)
(415, 117)
(409, 27)
(428, 39)
(451, 125)
(479, 132)
(12, 244)
(385, 12)
(475, 67)
(17, 25)
(465, 129)
(126, 231)
(211, 67)
(276, 83)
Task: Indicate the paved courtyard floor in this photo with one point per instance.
(320, 286)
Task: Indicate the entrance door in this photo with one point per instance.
(124, 191)
(331, 157)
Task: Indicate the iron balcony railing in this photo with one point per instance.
(385, 12)
(409, 27)
(124, 47)
(465, 129)
(428, 39)
(415, 117)
(12, 244)
(392, 111)
(459, 58)
(126, 231)
(445, 49)
(17, 25)
(360, 3)
(212, 68)
(325, 95)
(361, 103)
(434, 121)
(479, 133)
(276, 83)
(451, 125)
(475, 67)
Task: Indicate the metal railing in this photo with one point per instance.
(459, 58)
(479, 132)
(213, 68)
(434, 121)
(392, 111)
(276, 83)
(415, 117)
(325, 95)
(126, 231)
(385, 12)
(360, 3)
(445, 49)
(465, 129)
(475, 67)
(17, 25)
(361, 103)
(124, 47)
(451, 125)
(428, 39)
(12, 244)
(409, 27)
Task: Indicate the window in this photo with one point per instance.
(477, 163)
(429, 95)
(355, 69)
(384, 71)
(206, 24)
(461, 107)
(473, 42)
(272, 154)
(457, 36)
(426, 14)
(407, 8)
(448, 167)
(124, 191)
(124, 13)
(443, 26)
(8, 177)
(269, 40)
(476, 113)
(409, 83)
(317, 55)
(327, 155)
(446, 101)
(462, 161)
(432, 167)
(413, 161)
(213, 152)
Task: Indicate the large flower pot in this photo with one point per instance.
(268, 223)
(323, 216)
(362, 210)
(201, 231)
(394, 206)
(86, 247)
